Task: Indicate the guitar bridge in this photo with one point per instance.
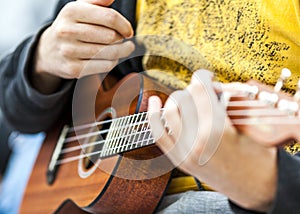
(52, 167)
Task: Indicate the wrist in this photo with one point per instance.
(40, 77)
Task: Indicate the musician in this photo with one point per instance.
(237, 40)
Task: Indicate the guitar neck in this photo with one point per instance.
(127, 133)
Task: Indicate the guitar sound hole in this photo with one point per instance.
(96, 143)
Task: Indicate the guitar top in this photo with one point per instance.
(104, 163)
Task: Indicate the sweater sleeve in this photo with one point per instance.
(288, 185)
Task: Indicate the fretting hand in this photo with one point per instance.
(196, 134)
(189, 117)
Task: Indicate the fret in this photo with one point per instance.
(132, 143)
(127, 133)
(110, 138)
(119, 134)
(150, 139)
(135, 132)
(122, 136)
(131, 134)
(142, 132)
(140, 128)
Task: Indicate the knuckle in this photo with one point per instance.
(112, 16)
(131, 46)
(64, 31)
(109, 65)
(67, 51)
(114, 54)
(72, 70)
(128, 48)
(111, 36)
(69, 8)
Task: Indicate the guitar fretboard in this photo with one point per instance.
(127, 133)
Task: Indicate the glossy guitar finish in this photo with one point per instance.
(108, 190)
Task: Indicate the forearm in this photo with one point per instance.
(244, 171)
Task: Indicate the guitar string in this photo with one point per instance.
(66, 160)
(74, 158)
(100, 132)
(127, 134)
(121, 138)
(238, 94)
(259, 112)
(256, 112)
(77, 157)
(90, 134)
(90, 125)
(74, 148)
(86, 126)
(269, 120)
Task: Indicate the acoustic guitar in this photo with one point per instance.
(111, 164)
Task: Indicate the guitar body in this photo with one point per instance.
(118, 184)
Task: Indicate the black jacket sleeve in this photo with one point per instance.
(288, 184)
(27, 110)
(23, 107)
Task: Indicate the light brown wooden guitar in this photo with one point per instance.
(82, 172)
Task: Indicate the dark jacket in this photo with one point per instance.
(24, 108)
(27, 110)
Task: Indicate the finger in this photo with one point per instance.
(206, 76)
(202, 82)
(115, 52)
(99, 2)
(157, 125)
(202, 74)
(72, 69)
(97, 15)
(172, 116)
(162, 139)
(178, 149)
(204, 95)
(154, 115)
(96, 34)
(87, 51)
(237, 88)
(91, 67)
(189, 118)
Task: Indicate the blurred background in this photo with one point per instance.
(18, 19)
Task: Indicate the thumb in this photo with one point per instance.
(105, 3)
